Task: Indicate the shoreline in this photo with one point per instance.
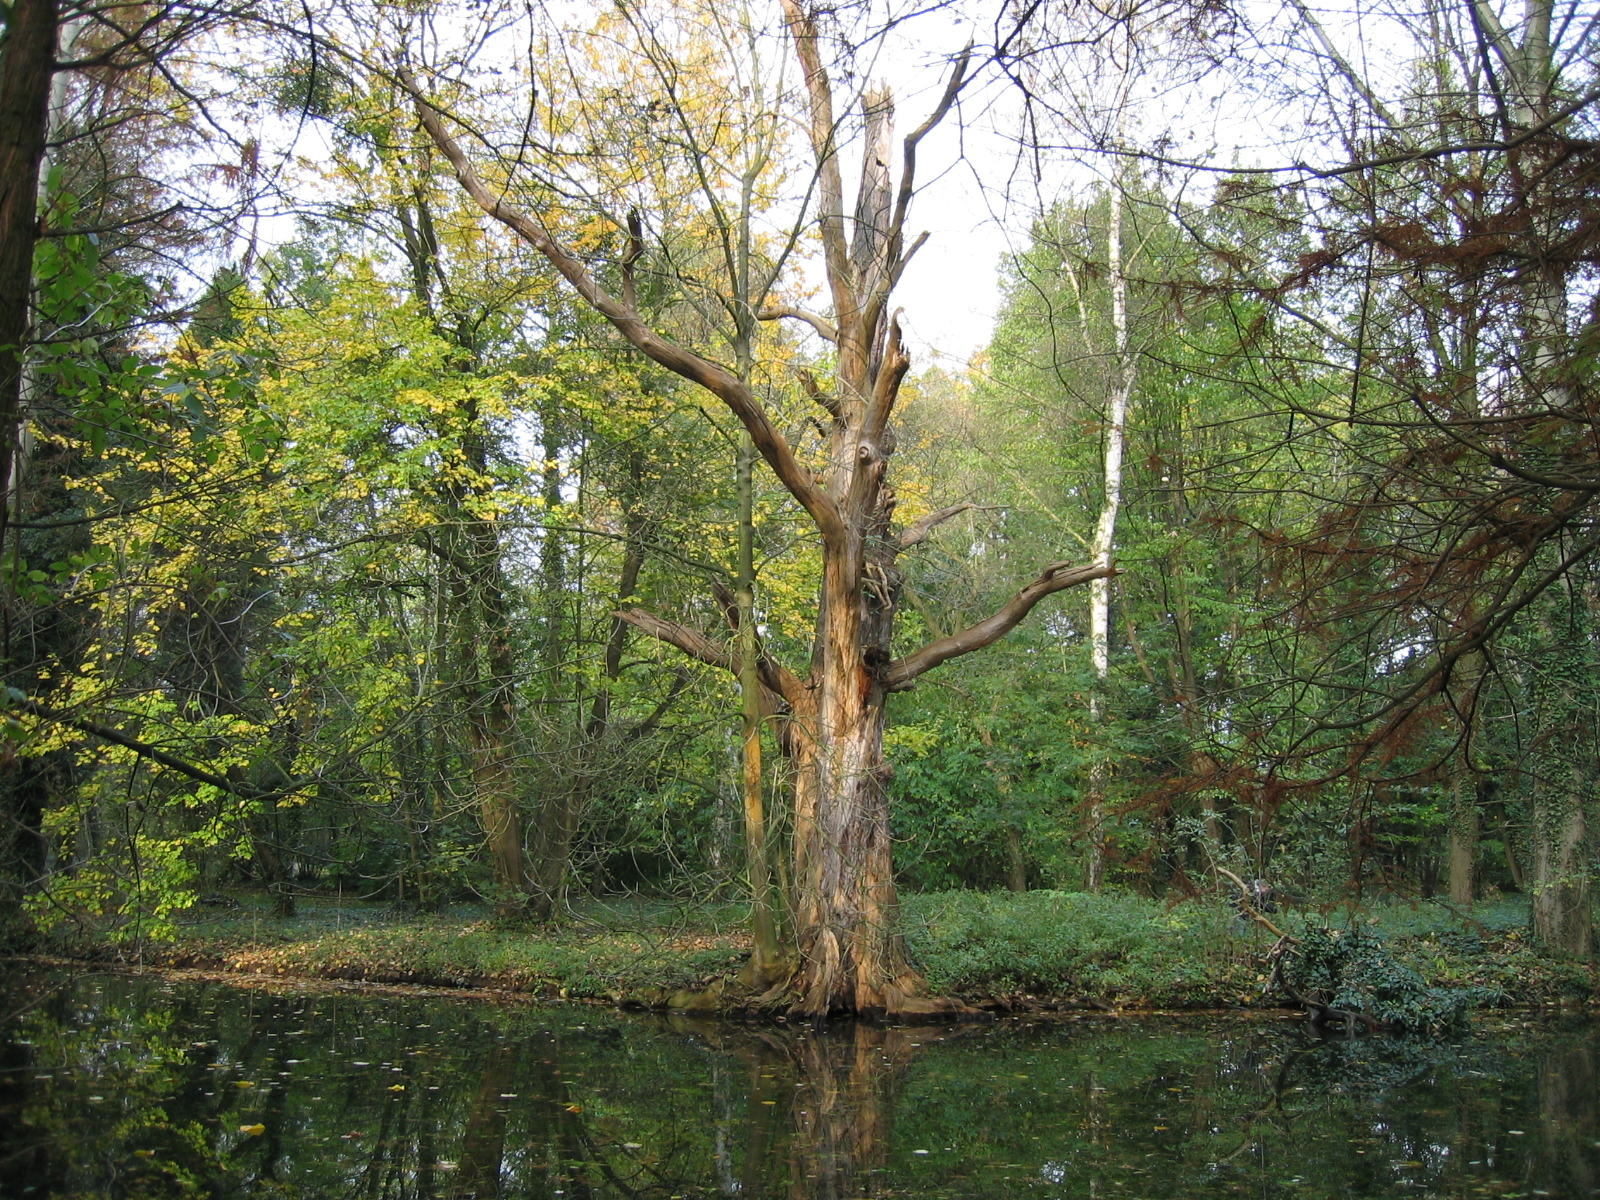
(322, 985)
(1030, 953)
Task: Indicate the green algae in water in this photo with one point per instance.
(118, 1086)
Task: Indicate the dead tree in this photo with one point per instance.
(851, 956)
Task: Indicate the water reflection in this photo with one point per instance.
(115, 1086)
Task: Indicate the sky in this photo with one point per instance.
(950, 292)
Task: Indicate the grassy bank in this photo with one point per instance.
(1002, 950)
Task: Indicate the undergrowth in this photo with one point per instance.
(1112, 949)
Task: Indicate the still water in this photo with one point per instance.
(114, 1086)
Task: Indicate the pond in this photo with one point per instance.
(143, 1086)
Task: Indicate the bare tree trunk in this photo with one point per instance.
(488, 698)
(1563, 693)
(1466, 821)
(1105, 536)
(551, 856)
(1464, 829)
(851, 954)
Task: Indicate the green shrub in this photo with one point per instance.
(1353, 969)
(1073, 943)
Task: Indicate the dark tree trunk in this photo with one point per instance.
(27, 68)
(488, 700)
(551, 857)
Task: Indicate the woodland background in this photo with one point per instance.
(319, 483)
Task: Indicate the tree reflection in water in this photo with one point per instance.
(1569, 1120)
(118, 1086)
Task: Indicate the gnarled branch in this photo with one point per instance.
(782, 683)
(691, 641)
(1056, 577)
(814, 390)
(776, 312)
(917, 532)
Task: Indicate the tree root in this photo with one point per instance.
(736, 995)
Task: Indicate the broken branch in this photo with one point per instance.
(776, 312)
(1056, 577)
(917, 532)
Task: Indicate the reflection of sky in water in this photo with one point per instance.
(116, 1086)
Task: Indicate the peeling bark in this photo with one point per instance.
(851, 956)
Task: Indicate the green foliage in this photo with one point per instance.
(1355, 970)
(1076, 944)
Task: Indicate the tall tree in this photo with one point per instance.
(852, 956)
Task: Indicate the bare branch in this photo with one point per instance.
(1056, 577)
(109, 733)
(824, 133)
(780, 684)
(691, 641)
(776, 312)
(775, 677)
(716, 379)
(815, 391)
(917, 532)
(908, 169)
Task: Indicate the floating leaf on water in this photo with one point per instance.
(252, 1130)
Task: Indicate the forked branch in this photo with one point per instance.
(917, 532)
(775, 677)
(1057, 577)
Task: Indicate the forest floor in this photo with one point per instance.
(1035, 950)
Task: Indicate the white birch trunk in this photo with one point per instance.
(1105, 531)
